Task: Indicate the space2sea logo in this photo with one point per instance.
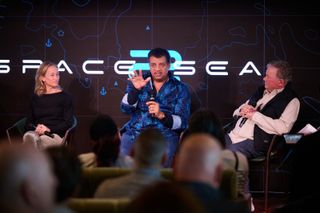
(124, 67)
(180, 67)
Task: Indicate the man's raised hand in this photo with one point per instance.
(137, 79)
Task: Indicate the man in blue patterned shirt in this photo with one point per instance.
(155, 99)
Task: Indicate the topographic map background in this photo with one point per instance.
(200, 31)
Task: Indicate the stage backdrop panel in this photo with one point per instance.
(219, 49)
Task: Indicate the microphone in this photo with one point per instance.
(152, 99)
(152, 92)
(49, 134)
(152, 95)
(243, 121)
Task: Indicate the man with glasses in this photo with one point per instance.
(271, 110)
(155, 99)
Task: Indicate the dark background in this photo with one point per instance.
(201, 31)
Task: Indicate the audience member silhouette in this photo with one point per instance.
(26, 180)
(149, 154)
(67, 169)
(198, 168)
(165, 197)
(106, 143)
(205, 121)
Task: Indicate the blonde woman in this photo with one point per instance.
(51, 109)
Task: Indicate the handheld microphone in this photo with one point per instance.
(152, 95)
(152, 99)
(49, 134)
(243, 121)
(152, 92)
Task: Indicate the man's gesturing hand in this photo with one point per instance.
(137, 79)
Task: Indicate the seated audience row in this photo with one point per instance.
(103, 132)
(197, 168)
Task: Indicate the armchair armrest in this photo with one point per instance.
(67, 135)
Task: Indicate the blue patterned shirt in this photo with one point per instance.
(173, 98)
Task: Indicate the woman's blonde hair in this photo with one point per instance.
(40, 88)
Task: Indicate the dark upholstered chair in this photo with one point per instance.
(272, 163)
(89, 205)
(271, 166)
(18, 129)
(67, 138)
(92, 177)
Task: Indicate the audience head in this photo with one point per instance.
(47, 75)
(165, 197)
(26, 180)
(104, 133)
(205, 121)
(149, 149)
(67, 169)
(199, 159)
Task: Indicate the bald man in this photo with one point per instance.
(26, 180)
(149, 154)
(198, 168)
(199, 160)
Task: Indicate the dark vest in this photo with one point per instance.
(273, 109)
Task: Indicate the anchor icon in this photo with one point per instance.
(103, 91)
(48, 43)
